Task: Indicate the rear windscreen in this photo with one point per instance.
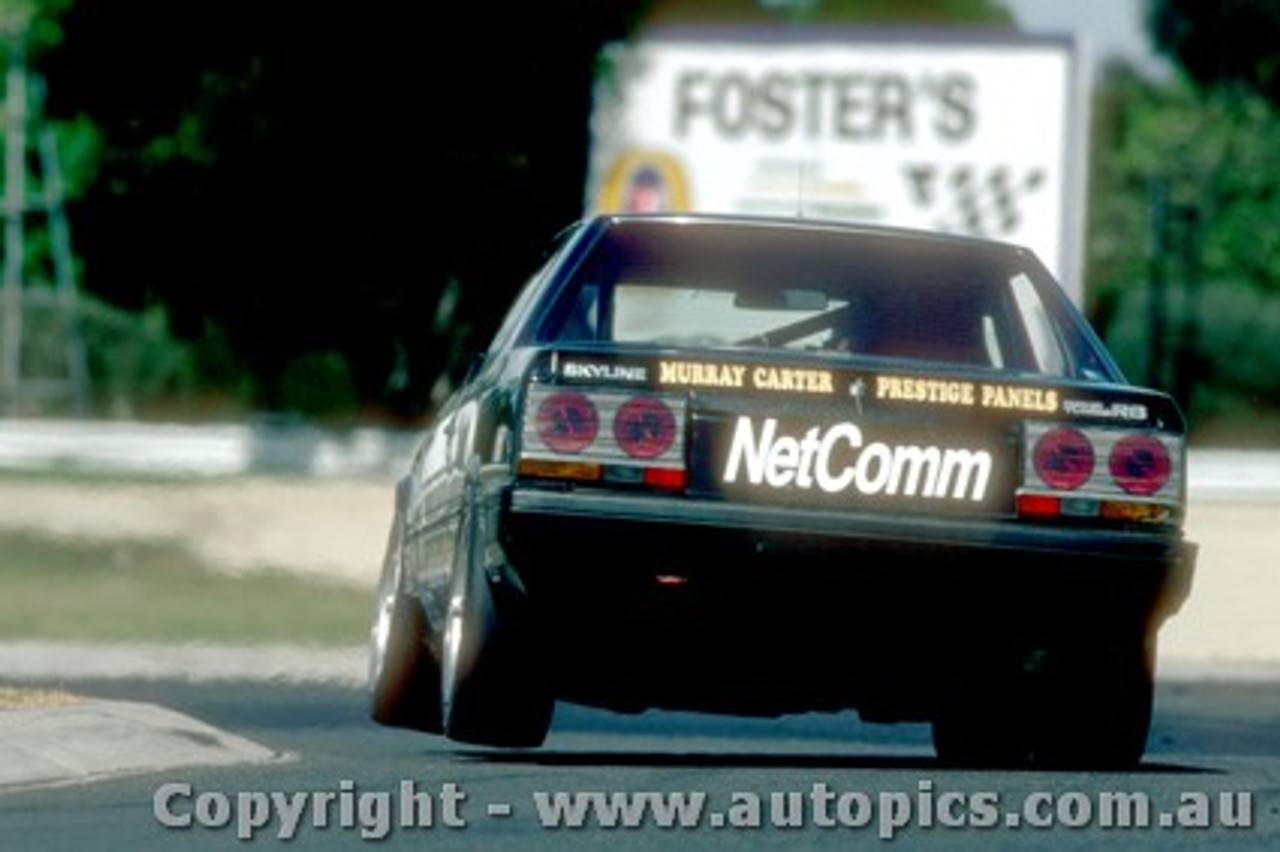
(838, 293)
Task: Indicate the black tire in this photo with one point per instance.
(491, 690)
(1088, 708)
(1099, 708)
(403, 678)
(984, 727)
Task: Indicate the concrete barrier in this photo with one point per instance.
(170, 449)
(1252, 475)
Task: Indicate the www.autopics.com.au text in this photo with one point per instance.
(375, 814)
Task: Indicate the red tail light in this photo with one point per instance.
(644, 427)
(1063, 458)
(1140, 465)
(1039, 506)
(1064, 479)
(567, 422)
(669, 479)
(610, 437)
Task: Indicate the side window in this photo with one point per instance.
(583, 320)
(991, 342)
(515, 316)
(520, 308)
(1046, 346)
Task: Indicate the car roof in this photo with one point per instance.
(801, 224)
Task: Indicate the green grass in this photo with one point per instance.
(125, 591)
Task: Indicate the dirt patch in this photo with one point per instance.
(14, 698)
(334, 528)
(338, 528)
(1231, 614)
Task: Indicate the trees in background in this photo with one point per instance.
(330, 207)
(1224, 44)
(327, 209)
(1184, 235)
(329, 203)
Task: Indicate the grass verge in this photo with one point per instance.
(119, 591)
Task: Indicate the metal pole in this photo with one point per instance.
(1158, 306)
(1188, 363)
(64, 267)
(14, 202)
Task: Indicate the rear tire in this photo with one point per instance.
(403, 677)
(1100, 715)
(986, 727)
(490, 686)
(1088, 708)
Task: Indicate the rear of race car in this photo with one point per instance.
(766, 536)
(775, 467)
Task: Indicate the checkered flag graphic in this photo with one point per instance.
(972, 201)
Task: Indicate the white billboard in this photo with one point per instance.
(978, 136)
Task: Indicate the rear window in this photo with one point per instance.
(703, 316)
(836, 293)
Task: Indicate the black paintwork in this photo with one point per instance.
(720, 599)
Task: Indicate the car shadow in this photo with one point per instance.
(751, 760)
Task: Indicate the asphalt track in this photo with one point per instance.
(1211, 738)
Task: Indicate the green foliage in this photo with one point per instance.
(35, 22)
(1223, 44)
(895, 12)
(79, 153)
(1187, 187)
(1240, 339)
(142, 591)
(133, 357)
(220, 369)
(319, 385)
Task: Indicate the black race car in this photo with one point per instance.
(765, 466)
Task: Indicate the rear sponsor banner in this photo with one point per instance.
(929, 394)
(849, 461)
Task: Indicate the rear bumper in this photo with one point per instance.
(652, 601)
(649, 515)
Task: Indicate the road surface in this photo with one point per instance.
(1214, 759)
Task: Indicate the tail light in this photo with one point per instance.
(1063, 459)
(644, 427)
(623, 439)
(1141, 481)
(1140, 465)
(567, 422)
